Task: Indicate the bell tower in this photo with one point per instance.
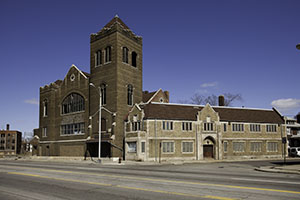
(116, 67)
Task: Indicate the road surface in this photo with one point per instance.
(224, 181)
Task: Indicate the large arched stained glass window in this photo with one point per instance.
(73, 103)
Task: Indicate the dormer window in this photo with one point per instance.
(98, 58)
(133, 59)
(125, 54)
(108, 54)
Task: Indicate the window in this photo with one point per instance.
(238, 127)
(143, 145)
(131, 147)
(167, 125)
(208, 126)
(136, 126)
(133, 59)
(125, 54)
(272, 147)
(186, 126)
(73, 103)
(98, 58)
(44, 132)
(108, 54)
(271, 128)
(45, 108)
(72, 129)
(254, 127)
(168, 147)
(225, 146)
(103, 124)
(103, 93)
(129, 95)
(225, 127)
(187, 147)
(238, 146)
(255, 146)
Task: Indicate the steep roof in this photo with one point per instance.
(86, 74)
(189, 112)
(116, 19)
(148, 95)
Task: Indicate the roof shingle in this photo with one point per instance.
(189, 112)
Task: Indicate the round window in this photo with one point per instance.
(72, 77)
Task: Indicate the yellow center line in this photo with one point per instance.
(124, 187)
(166, 181)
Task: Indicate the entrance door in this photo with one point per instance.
(208, 151)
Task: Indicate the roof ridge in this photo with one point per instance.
(225, 107)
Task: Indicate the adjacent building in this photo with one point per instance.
(164, 131)
(142, 125)
(10, 141)
(293, 131)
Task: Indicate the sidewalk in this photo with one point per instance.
(288, 169)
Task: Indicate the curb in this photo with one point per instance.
(275, 170)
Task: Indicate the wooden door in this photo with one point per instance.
(208, 151)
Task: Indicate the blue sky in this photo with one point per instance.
(209, 47)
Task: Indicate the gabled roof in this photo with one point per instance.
(148, 95)
(84, 74)
(189, 112)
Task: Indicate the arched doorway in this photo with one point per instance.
(208, 148)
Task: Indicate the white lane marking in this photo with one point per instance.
(262, 180)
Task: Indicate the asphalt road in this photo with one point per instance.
(235, 180)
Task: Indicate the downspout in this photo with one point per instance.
(197, 156)
(155, 149)
(124, 144)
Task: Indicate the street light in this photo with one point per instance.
(298, 46)
(99, 131)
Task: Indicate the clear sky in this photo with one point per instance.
(209, 47)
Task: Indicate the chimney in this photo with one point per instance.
(7, 127)
(221, 100)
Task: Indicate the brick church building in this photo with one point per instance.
(142, 125)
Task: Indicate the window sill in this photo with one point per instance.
(73, 134)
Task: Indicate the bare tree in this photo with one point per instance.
(212, 100)
(199, 99)
(229, 98)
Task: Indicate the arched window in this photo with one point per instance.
(73, 103)
(45, 108)
(103, 124)
(108, 54)
(129, 94)
(133, 59)
(103, 93)
(98, 58)
(125, 54)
